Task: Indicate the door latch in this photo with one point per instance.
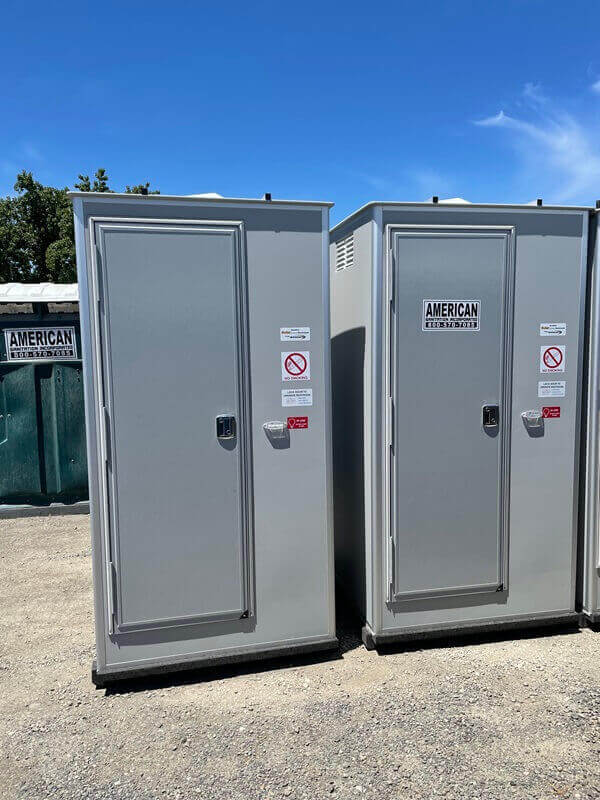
(226, 426)
(491, 416)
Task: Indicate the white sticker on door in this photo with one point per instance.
(296, 397)
(295, 366)
(291, 334)
(552, 358)
(553, 329)
(451, 315)
(552, 388)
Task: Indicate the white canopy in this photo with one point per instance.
(39, 293)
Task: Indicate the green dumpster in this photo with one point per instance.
(42, 424)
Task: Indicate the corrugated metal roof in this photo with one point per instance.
(39, 293)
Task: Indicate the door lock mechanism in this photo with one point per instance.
(226, 427)
(491, 416)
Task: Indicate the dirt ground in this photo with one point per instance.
(491, 719)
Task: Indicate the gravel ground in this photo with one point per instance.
(492, 719)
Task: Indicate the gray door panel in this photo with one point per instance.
(174, 358)
(448, 473)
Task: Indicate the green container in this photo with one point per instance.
(42, 422)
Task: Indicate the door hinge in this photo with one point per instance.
(390, 568)
(106, 428)
(111, 591)
(99, 286)
(389, 421)
(390, 279)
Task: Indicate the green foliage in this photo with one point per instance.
(100, 182)
(40, 215)
(14, 263)
(60, 261)
(84, 184)
(141, 188)
(36, 229)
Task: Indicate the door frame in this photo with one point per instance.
(101, 381)
(393, 230)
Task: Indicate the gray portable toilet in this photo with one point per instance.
(590, 577)
(205, 330)
(457, 350)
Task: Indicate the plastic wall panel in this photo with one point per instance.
(20, 478)
(63, 426)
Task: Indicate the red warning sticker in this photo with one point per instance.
(297, 423)
(551, 412)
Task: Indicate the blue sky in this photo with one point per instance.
(492, 101)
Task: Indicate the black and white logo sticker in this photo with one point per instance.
(451, 315)
(33, 344)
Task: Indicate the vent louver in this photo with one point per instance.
(344, 252)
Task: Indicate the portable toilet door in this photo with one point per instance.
(457, 360)
(205, 326)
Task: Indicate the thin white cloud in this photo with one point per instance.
(558, 153)
(596, 86)
(8, 167)
(31, 151)
(429, 182)
(374, 181)
(412, 184)
(533, 93)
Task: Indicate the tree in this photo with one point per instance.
(141, 188)
(60, 255)
(14, 262)
(42, 215)
(36, 228)
(100, 182)
(84, 184)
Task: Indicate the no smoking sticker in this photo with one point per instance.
(295, 366)
(552, 358)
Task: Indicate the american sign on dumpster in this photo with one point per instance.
(30, 344)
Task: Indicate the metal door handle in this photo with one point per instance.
(533, 418)
(226, 426)
(491, 416)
